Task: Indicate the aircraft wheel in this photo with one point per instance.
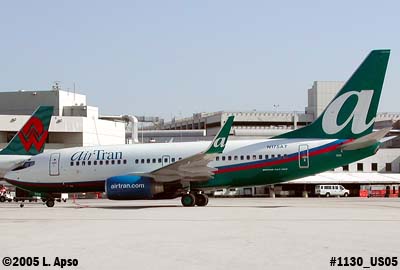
(2, 199)
(201, 199)
(50, 203)
(188, 200)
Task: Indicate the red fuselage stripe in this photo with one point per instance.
(279, 161)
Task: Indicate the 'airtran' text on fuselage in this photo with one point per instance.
(95, 155)
(277, 146)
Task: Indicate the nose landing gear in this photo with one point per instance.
(50, 202)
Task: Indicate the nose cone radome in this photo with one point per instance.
(12, 175)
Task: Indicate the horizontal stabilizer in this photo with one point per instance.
(367, 140)
(386, 139)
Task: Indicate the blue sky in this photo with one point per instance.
(172, 58)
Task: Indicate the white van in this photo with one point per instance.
(331, 190)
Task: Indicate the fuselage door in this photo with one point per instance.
(54, 165)
(166, 160)
(304, 162)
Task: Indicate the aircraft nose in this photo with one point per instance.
(11, 175)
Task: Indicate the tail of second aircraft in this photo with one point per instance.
(351, 114)
(30, 140)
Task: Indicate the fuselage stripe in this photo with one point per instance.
(277, 161)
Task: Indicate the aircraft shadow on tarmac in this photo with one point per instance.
(138, 207)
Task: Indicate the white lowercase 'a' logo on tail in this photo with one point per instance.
(220, 142)
(358, 116)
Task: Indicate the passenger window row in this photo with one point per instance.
(98, 162)
(155, 160)
(249, 157)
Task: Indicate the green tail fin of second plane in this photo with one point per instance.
(30, 140)
(351, 114)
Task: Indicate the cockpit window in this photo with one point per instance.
(26, 164)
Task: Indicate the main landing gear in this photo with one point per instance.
(190, 199)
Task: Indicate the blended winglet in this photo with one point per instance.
(218, 144)
(31, 138)
(195, 167)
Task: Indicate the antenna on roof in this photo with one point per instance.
(56, 86)
(74, 91)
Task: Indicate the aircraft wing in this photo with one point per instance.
(195, 168)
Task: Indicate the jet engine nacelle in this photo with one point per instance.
(131, 187)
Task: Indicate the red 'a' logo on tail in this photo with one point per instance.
(33, 133)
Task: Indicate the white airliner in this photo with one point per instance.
(341, 135)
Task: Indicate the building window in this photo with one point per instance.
(360, 167)
(345, 168)
(388, 167)
(374, 167)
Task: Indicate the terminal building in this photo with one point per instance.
(74, 123)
